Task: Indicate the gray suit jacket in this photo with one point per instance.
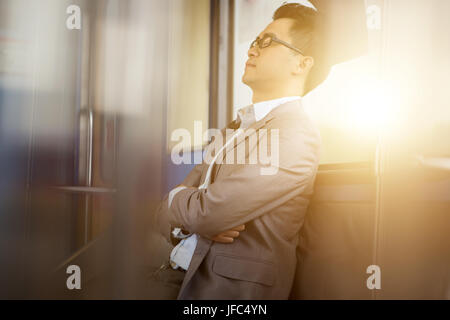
(261, 262)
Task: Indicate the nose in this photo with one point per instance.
(253, 52)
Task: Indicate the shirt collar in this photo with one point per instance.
(261, 109)
(264, 107)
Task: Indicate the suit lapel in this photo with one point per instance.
(201, 250)
(252, 130)
(290, 106)
(216, 144)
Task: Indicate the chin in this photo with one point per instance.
(246, 80)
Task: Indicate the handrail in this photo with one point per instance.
(441, 163)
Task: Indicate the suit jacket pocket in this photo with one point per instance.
(240, 268)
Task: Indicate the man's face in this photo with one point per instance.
(275, 64)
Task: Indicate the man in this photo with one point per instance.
(243, 219)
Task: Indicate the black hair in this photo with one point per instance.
(304, 28)
(307, 36)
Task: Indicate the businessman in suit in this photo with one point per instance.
(239, 222)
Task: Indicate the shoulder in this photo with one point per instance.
(295, 123)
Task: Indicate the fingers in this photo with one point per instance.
(222, 239)
(239, 228)
(230, 234)
(226, 237)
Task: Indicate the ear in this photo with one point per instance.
(304, 65)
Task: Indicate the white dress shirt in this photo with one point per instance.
(181, 255)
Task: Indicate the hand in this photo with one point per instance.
(229, 235)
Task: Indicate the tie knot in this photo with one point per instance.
(247, 116)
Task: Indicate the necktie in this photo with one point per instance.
(246, 117)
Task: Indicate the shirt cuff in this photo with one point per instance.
(173, 193)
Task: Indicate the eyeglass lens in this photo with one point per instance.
(262, 43)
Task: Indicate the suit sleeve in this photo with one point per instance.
(162, 216)
(192, 180)
(246, 194)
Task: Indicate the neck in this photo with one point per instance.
(266, 94)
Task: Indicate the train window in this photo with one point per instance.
(250, 18)
(348, 108)
(418, 67)
(188, 83)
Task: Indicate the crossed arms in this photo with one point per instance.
(244, 194)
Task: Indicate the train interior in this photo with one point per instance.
(87, 117)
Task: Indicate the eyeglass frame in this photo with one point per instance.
(258, 42)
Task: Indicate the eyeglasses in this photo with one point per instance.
(267, 39)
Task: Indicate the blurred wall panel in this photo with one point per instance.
(189, 73)
(16, 29)
(128, 98)
(83, 125)
(413, 237)
(39, 127)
